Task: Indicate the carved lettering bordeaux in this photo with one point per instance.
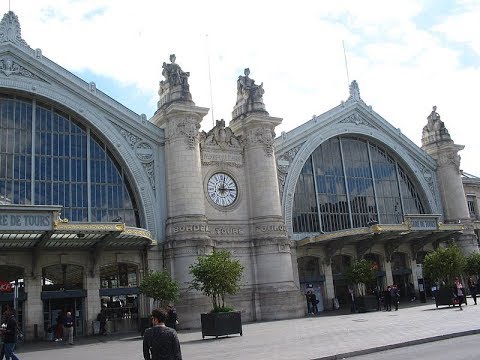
(222, 157)
(229, 231)
(190, 228)
(265, 228)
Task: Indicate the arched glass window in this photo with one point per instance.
(349, 182)
(48, 157)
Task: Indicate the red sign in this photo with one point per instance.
(5, 286)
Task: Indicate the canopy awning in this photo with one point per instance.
(415, 228)
(28, 227)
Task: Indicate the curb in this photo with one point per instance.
(398, 345)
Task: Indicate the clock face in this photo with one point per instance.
(222, 189)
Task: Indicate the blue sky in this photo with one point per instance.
(406, 55)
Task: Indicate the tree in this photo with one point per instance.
(444, 264)
(472, 264)
(160, 287)
(361, 273)
(215, 275)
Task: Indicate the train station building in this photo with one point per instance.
(93, 196)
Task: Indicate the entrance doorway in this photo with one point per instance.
(54, 312)
(340, 264)
(401, 273)
(119, 296)
(62, 292)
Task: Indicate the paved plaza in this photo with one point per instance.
(306, 338)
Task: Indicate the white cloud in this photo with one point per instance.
(295, 49)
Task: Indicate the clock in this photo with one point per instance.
(222, 189)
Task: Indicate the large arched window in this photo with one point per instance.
(48, 157)
(349, 182)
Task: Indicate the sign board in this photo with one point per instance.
(5, 286)
(419, 271)
(26, 221)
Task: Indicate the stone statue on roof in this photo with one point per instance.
(435, 129)
(175, 86)
(249, 96)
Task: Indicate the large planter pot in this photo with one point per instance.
(220, 324)
(366, 303)
(444, 296)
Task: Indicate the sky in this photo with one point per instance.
(405, 55)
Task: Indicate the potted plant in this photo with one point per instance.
(217, 275)
(360, 274)
(161, 288)
(442, 266)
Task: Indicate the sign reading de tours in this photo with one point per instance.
(15, 221)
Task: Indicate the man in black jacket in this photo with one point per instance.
(161, 342)
(10, 336)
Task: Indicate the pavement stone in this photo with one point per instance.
(321, 337)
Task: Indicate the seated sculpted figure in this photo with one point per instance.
(247, 89)
(174, 74)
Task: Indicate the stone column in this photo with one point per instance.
(33, 309)
(388, 272)
(187, 232)
(279, 297)
(92, 302)
(436, 141)
(329, 287)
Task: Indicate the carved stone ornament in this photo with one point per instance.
(428, 176)
(283, 165)
(249, 96)
(356, 119)
(143, 151)
(450, 158)
(175, 87)
(263, 136)
(221, 147)
(10, 30)
(9, 67)
(354, 92)
(188, 128)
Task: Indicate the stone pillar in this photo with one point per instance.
(92, 302)
(329, 287)
(279, 296)
(187, 232)
(388, 272)
(436, 141)
(33, 308)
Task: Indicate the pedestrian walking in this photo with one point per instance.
(10, 335)
(351, 295)
(459, 292)
(395, 295)
(68, 325)
(387, 298)
(160, 341)
(309, 303)
(472, 287)
(172, 318)
(314, 302)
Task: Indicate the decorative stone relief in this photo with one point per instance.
(263, 136)
(188, 128)
(356, 119)
(428, 176)
(221, 147)
(283, 165)
(150, 171)
(143, 151)
(450, 158)
(9, 67)
(10, 30)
